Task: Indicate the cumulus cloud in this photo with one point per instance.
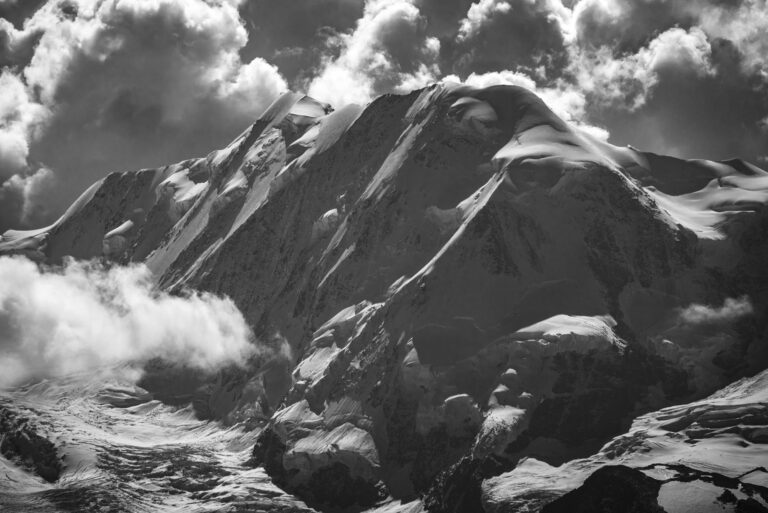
(82, 317)
(628, 80)
(125, 84)
(19, 116)
(683, 94)
(731, 310)
(389, 50)
(680, 78)
(744, 24)
(627, 25)
(513, 34)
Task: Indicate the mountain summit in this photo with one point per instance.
(463, 292)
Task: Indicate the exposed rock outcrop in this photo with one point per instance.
(20, 441)
(453, 280)
(704, 456)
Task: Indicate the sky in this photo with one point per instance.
(88, 87)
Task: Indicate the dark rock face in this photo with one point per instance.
(595, 397)
(457, 489)
(620, 488)
(20, 441)
(709, 480)
(608, 490)
(752, 497)
(268, 452)
(331, 488)
(334, 488)
(450, 281)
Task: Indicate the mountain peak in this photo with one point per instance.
(459, 276)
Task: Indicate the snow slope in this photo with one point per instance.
(122, 450)
(454, 280)
(708, 455)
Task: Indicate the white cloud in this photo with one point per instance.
(678, 48)
(19, 116)
(483, 12)
(732, 309)
(505, 77)
(82, 317)
(389, 50)
(177, 51)
(746, 27)
(479, 14)
(629, 79)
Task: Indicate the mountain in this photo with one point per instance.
(469, 292)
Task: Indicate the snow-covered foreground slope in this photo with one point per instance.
(709, 455)
(118, 449)
(452, 281)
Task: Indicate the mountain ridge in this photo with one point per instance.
(459, 275)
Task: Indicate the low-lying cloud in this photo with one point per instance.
(732, 309)
(81, 317)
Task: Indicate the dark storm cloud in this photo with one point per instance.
(512, 34)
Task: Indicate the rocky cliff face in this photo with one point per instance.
(457, 280)
(708, 455)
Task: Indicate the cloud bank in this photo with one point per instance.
(82, 317)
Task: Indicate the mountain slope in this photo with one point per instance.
(704, 456)
(462, 280)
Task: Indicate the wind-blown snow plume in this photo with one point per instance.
(83, 316)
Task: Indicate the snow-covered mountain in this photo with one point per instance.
(473, 304)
